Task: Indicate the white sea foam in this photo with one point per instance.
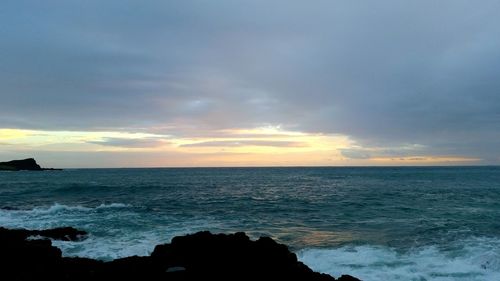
(53, 216)
(129, 243)
(56, 207)
(478, 259)
(115, 230)
(60, 207)
(109, 248)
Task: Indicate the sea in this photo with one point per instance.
(375, 223)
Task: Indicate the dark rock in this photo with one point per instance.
(347, 278)
(17, 165)
(26, 164)
(200, 256)
(175, 269)
(60, 233)
(207, 256)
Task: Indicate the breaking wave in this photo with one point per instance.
(472, 259)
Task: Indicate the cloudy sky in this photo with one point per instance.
(122, 83)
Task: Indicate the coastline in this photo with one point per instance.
(30, 255)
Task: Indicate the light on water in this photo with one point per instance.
(373, 223)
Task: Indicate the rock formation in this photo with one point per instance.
(25, 164)
(29, 255)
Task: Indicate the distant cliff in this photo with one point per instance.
(26, 164)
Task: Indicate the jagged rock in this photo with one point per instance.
(347, 278)
(60, 233)
(200, 256)
(233, 256)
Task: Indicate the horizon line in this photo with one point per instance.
(292, 166)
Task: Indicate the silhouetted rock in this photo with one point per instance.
(234, 256)
(60, 233)
(32, 259)
(200, 256)
(26, 164)
(347, 278)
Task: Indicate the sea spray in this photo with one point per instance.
(471, 259)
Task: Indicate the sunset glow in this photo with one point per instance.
(264, 146)
(182, 84)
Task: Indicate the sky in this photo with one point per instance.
(122, 83)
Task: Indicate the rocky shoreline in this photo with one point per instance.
(29, 255)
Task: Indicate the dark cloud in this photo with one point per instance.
(385, 72)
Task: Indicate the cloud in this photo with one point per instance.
(383, 73)
(238, 143)
(131, 143)
(355, 153)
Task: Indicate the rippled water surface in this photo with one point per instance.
(433, 223)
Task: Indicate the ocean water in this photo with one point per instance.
(405, 223)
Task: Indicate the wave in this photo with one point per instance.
(60, 207)
(120, 243)
(113, 247)
(61, 215)
(476, 259)
(56, 207)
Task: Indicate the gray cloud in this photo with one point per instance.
(131, 143)
(408, 150)
(245, 143)
(355, 153)
(384, 73)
